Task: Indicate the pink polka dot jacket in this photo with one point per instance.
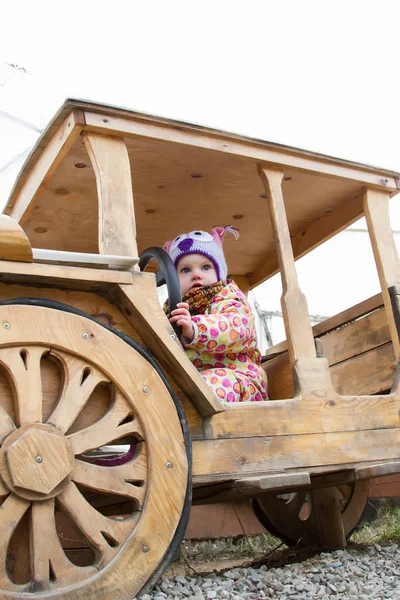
(224, 348)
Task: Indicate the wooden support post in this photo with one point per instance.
(311, 374)
(294, 303)
(376, 209)
(117, 228)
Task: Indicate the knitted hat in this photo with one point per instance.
(201, 242)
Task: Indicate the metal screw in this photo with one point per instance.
(145, 389)
(145, 548)
(119, 518)
(85, 335)
(173, 336)
(39, 459)
(169, 464)
(6, 325)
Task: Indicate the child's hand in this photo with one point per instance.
(181, 316)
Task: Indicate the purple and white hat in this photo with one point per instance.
(201, 242)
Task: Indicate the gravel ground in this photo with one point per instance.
(352, 574)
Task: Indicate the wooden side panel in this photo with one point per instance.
(44, 169)
(213, 459)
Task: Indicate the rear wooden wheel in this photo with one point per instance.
(68, 388)
(320, 517)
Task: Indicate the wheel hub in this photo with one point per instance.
(36, 462)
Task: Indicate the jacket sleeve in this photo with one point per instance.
(229, 328)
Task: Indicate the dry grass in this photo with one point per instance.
(383, 530)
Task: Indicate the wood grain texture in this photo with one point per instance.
(376, 208)
(307, 415)
(14, 243)
(294, 303)
(222, 143)
(140, 305)
(119, 542)
(318, 231)
(342, 318)
(257, 455)
(117, 228)
(61, 275)
(41, 174)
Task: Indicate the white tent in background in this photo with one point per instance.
(26, 106)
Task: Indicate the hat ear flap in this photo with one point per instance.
(219, 232)
(167, 246)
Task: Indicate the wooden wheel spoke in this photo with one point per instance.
(103, 533)
(117, 423)
(49, 562)
(6, 425)
(4, 491)
(125, 480)
(12, 511)
(80, 380)
(23, 367)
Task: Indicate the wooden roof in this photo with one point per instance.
(189, 177)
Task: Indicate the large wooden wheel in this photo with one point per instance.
(68, 388)
(322, 517)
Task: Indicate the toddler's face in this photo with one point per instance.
(195, 270)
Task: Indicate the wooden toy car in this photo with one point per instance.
(105, 426)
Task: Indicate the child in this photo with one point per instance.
(217, 323)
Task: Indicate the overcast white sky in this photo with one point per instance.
(321, 75)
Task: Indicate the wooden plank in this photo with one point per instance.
(14, 243)
(117, 227)
(356, 338)
(240, 456)
(140, 305)
(306, 415)
(294, 303)
(385, 487)
(376, 207)
(319, 231)
(342, 318)
(250, 487)
(41, 174)
(369, 373)
(220, 142)
(222, 520)
(83, 277)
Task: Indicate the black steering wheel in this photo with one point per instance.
(166, 274)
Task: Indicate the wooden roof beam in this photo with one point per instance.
(52, 156)
(316, 233)
(256, 151)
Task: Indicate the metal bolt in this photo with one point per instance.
(85, 335)
(145, 389)
(6, 325)
(145, 548)
(169, 464)
(39, 459)
(119, 518)
(173, 336)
